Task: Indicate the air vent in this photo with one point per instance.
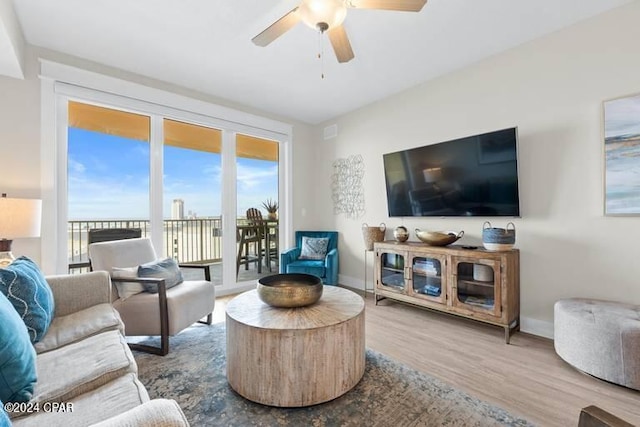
(330, 132)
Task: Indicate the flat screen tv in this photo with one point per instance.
(472, 176)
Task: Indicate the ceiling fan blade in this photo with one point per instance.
(401, 5)
(340, 42)
(277, 29)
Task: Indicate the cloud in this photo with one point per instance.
(250, 177)
(213, 172)
(75, 167)
(107, 197)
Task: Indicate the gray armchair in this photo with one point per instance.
(164, 313)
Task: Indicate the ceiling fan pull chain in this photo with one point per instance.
(321, 51)
(321, 55)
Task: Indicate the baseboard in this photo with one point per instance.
(351, 282)
(537, 327)
(531, 326)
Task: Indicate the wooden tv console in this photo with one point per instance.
(472, 283)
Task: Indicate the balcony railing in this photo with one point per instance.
(186, 240)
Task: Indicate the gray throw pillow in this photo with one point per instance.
(314, 247)
(166, 269)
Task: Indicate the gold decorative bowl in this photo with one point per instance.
(289, 290)
(438, 238)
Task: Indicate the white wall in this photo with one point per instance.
(19, 147)
(552, 89)
(12, 43)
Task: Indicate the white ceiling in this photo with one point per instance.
(11, 42)
(206, 45)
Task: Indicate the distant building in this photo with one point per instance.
(177, 209)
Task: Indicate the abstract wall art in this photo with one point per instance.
(622, 156)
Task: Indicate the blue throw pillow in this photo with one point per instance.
(166, 269)
(17, 356)
(25, 287)
(4, 418)
(314, 248)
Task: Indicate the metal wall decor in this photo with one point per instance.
(346, 187)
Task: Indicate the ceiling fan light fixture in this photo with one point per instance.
(329, 12)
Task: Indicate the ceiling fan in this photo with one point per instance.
(327, 16)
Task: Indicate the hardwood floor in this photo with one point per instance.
(526, 377)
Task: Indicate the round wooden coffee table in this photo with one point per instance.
(292, 357)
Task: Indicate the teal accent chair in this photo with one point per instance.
(326, 269)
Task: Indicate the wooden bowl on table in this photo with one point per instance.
(438, 238)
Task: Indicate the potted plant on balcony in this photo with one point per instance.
(272, 208)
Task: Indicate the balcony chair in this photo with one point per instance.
(267, 235)
(164, 313)
(310, 261)
(247, 235)
(95, 235)
(254, 215)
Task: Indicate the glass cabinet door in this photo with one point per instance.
(392, 271)
(427, 278)
(476, 285)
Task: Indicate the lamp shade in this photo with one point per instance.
(20, 218)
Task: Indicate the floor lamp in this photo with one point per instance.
(19, 218)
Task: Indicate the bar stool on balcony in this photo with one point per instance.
(272, 239)
(254, 216)
(268, 229)
(249, 235)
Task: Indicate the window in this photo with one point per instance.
(107, 174)
(62, 85)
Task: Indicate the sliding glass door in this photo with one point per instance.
(192, 181)
(108, 173)
(257, 203)
(166, 177)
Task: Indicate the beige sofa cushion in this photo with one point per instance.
(156, 413)
(74, 327)
(75, 292)
(82, 366)
(111, 399)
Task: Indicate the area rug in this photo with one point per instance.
(389, 394)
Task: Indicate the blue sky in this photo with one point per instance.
(108, 178)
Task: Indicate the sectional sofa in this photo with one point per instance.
(86, 374)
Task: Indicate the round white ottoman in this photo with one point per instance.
(601, 338)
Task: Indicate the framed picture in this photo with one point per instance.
(622, 156)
